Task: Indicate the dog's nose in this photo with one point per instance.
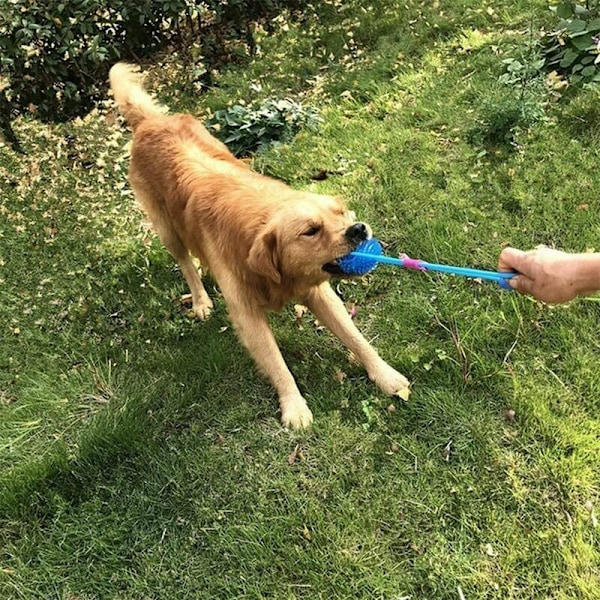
(357, 233)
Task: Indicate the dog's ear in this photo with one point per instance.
(263, 258)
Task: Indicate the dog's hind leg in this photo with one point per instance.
(201, 302)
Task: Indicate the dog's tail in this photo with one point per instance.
(133, 101)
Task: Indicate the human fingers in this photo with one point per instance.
(522, 284)
(511, 259)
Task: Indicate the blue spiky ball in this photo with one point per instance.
(351, 264)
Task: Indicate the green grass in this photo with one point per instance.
(141, 455)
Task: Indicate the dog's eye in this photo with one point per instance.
(312, 231)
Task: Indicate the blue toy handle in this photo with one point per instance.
(360, 262)
(503, 281)
(500, 277)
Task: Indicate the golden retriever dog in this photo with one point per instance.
(264, 243)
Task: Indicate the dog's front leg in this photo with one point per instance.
(255, 333)
(324, 303)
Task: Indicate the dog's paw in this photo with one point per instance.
(392, 383)
(295, 413)
(199, 310)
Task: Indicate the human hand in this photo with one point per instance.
(551, 275)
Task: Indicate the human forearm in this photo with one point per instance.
(587, 270)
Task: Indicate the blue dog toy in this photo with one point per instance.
(369, 254)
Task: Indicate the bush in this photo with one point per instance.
(246, 130)
(501, 116)
(55, 54)
(516, 104)
(573, 48)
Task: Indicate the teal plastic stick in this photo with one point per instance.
(499, 276)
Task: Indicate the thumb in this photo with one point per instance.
(511, 259)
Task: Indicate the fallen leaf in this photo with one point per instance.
(590, 508)
(404, 393)
(299, 311)
(339, 376)
(293, 455)
(446, 451)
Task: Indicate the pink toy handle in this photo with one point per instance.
(412, 263)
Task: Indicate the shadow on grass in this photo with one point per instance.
(163, 367)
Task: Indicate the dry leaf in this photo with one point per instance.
(293, 455)
(299, 311)
(404, 393)
(339, 376)
(447, 450)
(590, 508)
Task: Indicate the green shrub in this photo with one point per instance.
(573, 48)
(517, 103)
(501, 116)
(247, 130)
(55, 55)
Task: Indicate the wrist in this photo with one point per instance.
(587, 272)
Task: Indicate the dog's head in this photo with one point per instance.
(304, 237)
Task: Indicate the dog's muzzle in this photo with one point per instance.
(355, 235)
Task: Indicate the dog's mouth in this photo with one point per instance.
(332, 267)
(355, 235)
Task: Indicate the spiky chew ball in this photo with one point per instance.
(356, 263)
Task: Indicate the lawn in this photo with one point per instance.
(141, 454)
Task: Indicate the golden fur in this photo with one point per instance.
(264, 242)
